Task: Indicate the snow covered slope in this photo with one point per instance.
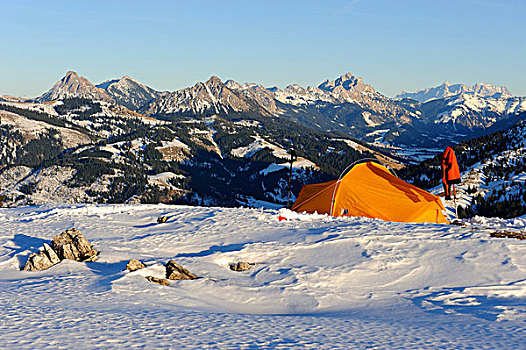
(474, 111)
(129, 92)
(318, 282)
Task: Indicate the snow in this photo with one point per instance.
(367, 118)
(475, 178)
(301, 163)
(163, 179)
(381, 132)
(175, 143)
(259, 144)
(464, 104)
(47, 108)
(319, 282)
(32, 129)
(248, 123)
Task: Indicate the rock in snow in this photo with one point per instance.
(44, 260)
(161, 281)
(321, 282)
(70, 244)
(241, 266)
(174, 271)
(134, 265)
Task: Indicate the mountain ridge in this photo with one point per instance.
(346, 104)
(448, 89)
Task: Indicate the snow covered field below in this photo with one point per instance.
(318, 282)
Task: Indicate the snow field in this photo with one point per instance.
(319, 282)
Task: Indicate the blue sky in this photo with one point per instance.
(168, 45)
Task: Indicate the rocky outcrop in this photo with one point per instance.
(174, 271)
(241, 266)
(134, 265)
(70, 244)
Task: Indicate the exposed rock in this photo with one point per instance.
(71, 244)
(508, 234)
(174, 271)
(161, 281)
(53, 257)
(241, 266)
(74, 86)
(43, 260)
(38, 262)
(162, 219)
(134, 265)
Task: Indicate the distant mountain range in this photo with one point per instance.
(347, 105)
(447, 90)
(220, 143)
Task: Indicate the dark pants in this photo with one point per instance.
(447, 189)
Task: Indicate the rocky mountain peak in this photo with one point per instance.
(70, 75)
(214, 81)
(212, 96)
(71, 85)
(348, 82)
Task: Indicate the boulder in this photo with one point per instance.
(161, 281)
(43, 260)
(71, 244)
(241, 266)
(174, 271)
(134, 265)
(162, 219)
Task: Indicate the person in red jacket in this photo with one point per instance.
(450, 171)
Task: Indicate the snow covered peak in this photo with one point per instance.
(71, 85)
(129, 92)
(232, 84)
(211, 96)
(448, 89)
(297, 95)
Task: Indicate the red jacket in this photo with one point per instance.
(450, 171)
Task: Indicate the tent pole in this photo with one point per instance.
(292, 159)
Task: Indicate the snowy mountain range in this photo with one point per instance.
(79, 150)
(447, 90)
(121, 140)
(448, 113)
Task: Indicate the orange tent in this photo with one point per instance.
(370, 190)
